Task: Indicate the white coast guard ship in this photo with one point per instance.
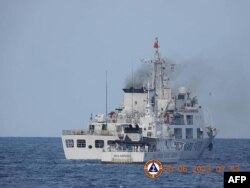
(158, 111)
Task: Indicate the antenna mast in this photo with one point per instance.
(132, 93)
(210, 116)
(106, 98)
(158, 84)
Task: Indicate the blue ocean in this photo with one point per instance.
(40, 162)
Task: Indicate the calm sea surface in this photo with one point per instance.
(40, 162)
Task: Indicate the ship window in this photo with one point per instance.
(91, 129)
(69, 143)
(189, 133)
(149, 134)
(181, 96)
(178, 133)
(90, 147)
(190, 119)
(178, 119)
(81, 143)
(111, 142)
(104, 127)
(99, 143)
(199, 133)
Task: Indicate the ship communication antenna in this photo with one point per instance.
(158, 87)
(106, 105)
(210, 118)
(132, 93)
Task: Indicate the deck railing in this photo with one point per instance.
(74, 132)
(84, 132)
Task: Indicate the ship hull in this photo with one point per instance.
(87, 152)
(193, 148)
(139, 157)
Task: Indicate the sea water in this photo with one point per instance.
(40, 162)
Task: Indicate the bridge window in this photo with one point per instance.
(178, 133)
(104, 127)
(178, 119)
(99, 143)
(199, 133)
(81, 143)
(91, 129)
(190, 119)
(111, 142)
(149, 134)
(69, 143)
(181, 96)
(189, 133)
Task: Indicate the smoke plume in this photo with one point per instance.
(140, 77)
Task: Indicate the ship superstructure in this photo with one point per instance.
(156, 109)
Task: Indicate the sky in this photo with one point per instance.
(54, 54)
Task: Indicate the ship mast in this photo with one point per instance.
(106, 105)
(148, 101)
(158, 71)
(158, 76)
(132, 102)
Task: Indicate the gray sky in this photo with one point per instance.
(53, 57)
